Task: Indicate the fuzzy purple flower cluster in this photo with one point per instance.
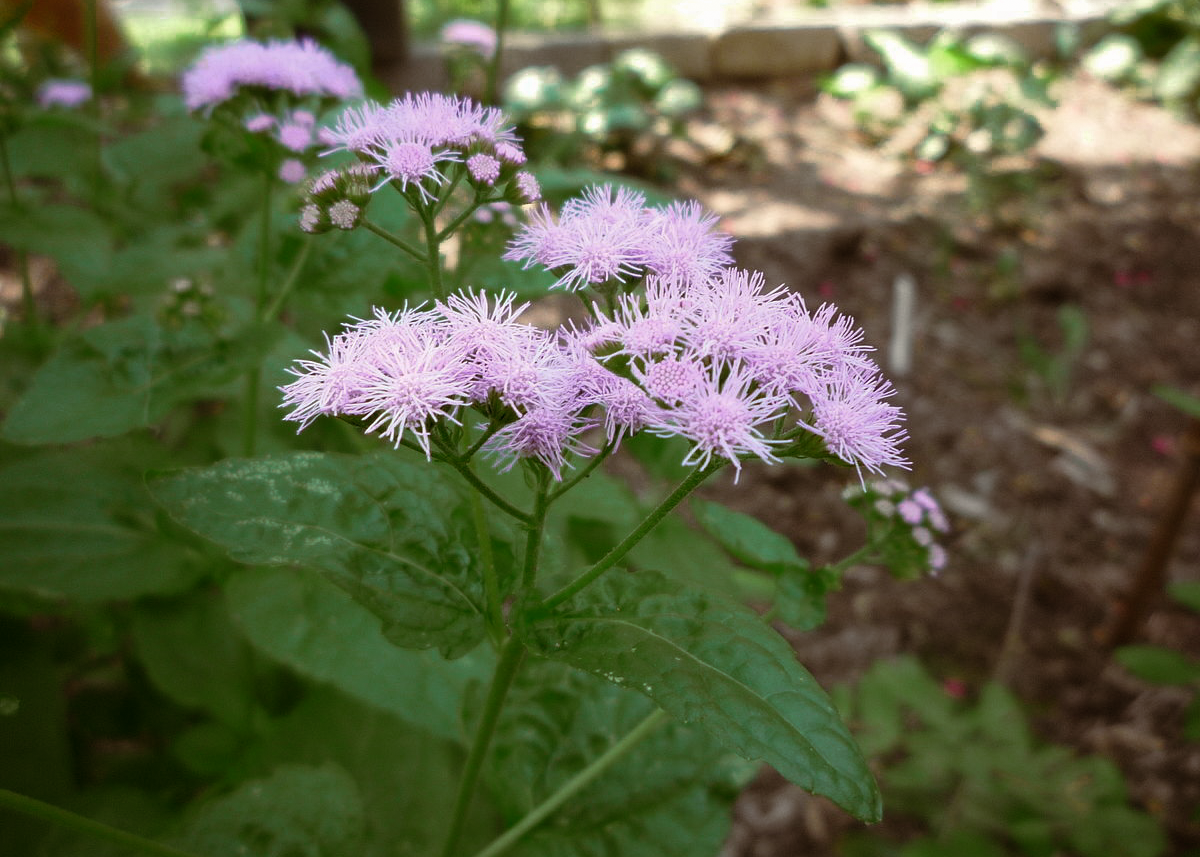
(610, 235)
(914, 519)
(412, 141)
(723, 363)
(302, 68)
(63, 92)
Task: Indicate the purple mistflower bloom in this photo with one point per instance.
(643, 331)
(295, 136)
(513, 154)
(491, 337)
(627, 408)
(328, 385)
(684, 247)
(63, 92)
(792, 354)
(259, 122)
(293, 171)
(722, 416)
(475, 36)
(859, 427)
(302, 68)
(549, 433)
(527, 186)
(599, 237)
(731, 314)
(671, 380)
(910, 512)
(483, 168)
(413, 162)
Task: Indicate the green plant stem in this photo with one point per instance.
(490, 91)
(694, 479)
(289, 282)
(395, 240)
(491, 586)
(574, 785)
(27, 300)
(448, 230)
(483, 488)
(511, 655)
(536, 524)
(65, 818)
(254, 374)
(433, 254)
(584, 473)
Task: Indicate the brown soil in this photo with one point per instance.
(1054, 495)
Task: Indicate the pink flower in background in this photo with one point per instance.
(302, 68)
(474, 36)
(60, 92)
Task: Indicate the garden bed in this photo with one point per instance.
(1054, 494)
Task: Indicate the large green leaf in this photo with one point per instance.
(78, 239)
(298, 811)
(670, 794)
(194, 654)
(1159, 665)
(713, 662)
(127, 374)
(748, 539)
(79, 524)
(395, 534)
(307, 623)
(407, 778)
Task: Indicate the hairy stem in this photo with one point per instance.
(491, 85)
(574, 785)
(584, 473)
(511, 656)
(289, 282)
(536, 524)
(254, 375)
(396, 241)
(491, 586)
(694, 479)
(81, 824)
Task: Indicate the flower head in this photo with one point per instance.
(302, 68)
(61, 92)
(474, 36)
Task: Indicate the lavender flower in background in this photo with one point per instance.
(63, 92)
(608, 235)
(415, 139)
(474, 36)
(302, 68)
(903, 525)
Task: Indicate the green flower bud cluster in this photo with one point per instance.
(337, 199)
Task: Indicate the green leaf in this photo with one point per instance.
(1180, 400)
(1158, 665)
(79, 524)
(747, 539)
(670, 794)
(148, 165)
(298, 811)
(407, 778)
(396, 535)
(1114, 58)
(908, 67)
(304, 621)
(127, 374)
(715, 663)
(1186, 592)
(195, 655)
(1179, 74)
(77, 239)
(800, 596)
(850, 80)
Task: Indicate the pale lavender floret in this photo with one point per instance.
(293, 171)
(295, 136)
(483, 168)
(63, 92)
(731, 314)
(599, 237)
(302, 68)
(792, 354)
(922, 536)
(512, 154)
(344, 214)
(627, 408)
(671, 380)
(645, 331)
(329, 384)
(722, 416)
(548, 433)
(259, 123)
(683, 247)
(527, 186)
(937, 559)
(310, 218)
(910, 512)
(859, 427)
(475, 36)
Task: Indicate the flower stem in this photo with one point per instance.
(584, 473)
(65, 818)
(396, 240)
(511, 656)
(615, 555)
(490, 92)
(574, 785)
(483, 488)
(254, 374)
(536, 524)
(433, 254)
(289, 282)
(491, 587)
(27, 300)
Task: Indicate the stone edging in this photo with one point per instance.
(815, 41)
